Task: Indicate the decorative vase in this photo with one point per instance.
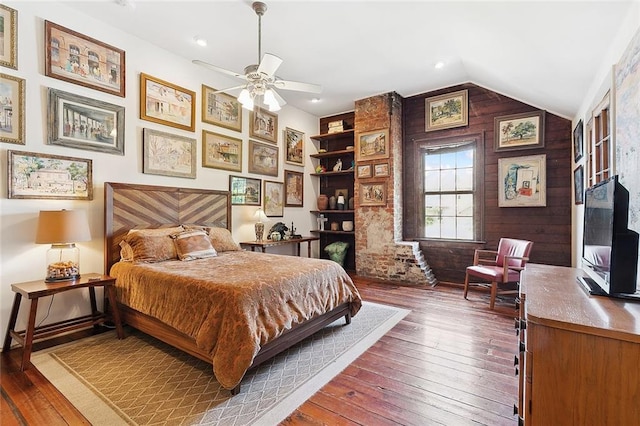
(352, 203)
(332, 202)
(335, 226)
(323, 202)
(347, 225)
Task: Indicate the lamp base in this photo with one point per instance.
(56, 280)
(63, 263)
(259, 231)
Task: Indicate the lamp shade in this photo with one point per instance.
(62, 226)
(260, 216)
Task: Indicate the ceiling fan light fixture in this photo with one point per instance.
(271, 101)
(246, 99)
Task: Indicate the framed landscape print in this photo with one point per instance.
(166, 103)
(519, 131)
(12, 115)
(294, 145)
(364, 171)
(373, 193)
(78, 122)
(45, 176)
(372, 145)
(263, 158)
(578, 185)
(293, 189)
(447, 111)
(245, 191)
(273, 198)
(168, 155)
(221, 109)
(381, 169)
(9, 37)
(578, 146)
(264, 125)
(221, 152)
(522, 181)
(79, 59)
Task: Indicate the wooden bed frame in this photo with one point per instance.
(129, 206)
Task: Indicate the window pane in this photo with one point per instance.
(465, 228)
(465, 205)
(464, 158)
(432, 162)
(464, 179)
(432, 228)
(448, 161)
(448, 227)
(432, 205)
(432, 180)
(448, 182)
(448, 202)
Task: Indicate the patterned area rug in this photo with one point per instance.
(142, 381)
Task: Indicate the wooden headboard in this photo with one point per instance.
(128, 206)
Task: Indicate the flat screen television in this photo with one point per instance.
(610, 249)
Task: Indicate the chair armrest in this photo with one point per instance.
(481, 257)
(505, 273)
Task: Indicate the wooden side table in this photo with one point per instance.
(36, 289)
(270, 243)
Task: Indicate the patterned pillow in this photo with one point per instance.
(150, 248)
(221, 238)
(144, 247)
(193, 244)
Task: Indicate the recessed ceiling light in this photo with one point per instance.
(315, 100)
(439, 65)
(200, 41)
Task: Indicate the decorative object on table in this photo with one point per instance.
(522, 181)
(320, 168)
(12, 100)
(335, 226)
(338, 166)
(447, 111)
(323, 202)
(275, 236)
(352, 203)
(72, 57)
(332, 202)
(221, 109)
(245, 191)
(279, 228)
(273, 198)
(166, 103)
(263, 158)
(340, 201)
(578, 141)
(98, 127)
(221, 151)
(293, 233)
(58, 177)
(259, 227)
(337, 251)
(321, 221)
(9, 51)
(294, 146)
(372, 145)
(519, 131)
(168, 155)
(293, 189)
(347, 225)
(62, 229)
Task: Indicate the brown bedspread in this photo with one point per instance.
(234, 303)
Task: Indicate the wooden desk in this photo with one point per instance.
(36, 289)
(269, 243)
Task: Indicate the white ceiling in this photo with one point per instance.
(543, 53)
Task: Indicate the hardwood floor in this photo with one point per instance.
(449, 361)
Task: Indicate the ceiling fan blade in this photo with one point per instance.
(269, 64)
(279, 98)
(220, 70)
(298, 86)
(229, 88)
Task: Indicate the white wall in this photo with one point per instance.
(20, 258)
(601, 83)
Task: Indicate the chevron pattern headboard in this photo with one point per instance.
(128, 206)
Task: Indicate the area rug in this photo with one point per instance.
(142, 381)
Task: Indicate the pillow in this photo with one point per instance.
(221, 238)
(126, 252)
(193, 244)
(157, 231)
(150, 248)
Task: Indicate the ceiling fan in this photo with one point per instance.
(261, 80)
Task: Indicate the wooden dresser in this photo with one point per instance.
(579, 359)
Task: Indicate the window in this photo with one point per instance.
(450, 183)
(599, 164)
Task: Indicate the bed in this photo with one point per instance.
(234, 309)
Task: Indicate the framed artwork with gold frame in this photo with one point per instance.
(165, 103)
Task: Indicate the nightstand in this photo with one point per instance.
(36, 289)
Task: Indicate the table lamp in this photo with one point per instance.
(62, 229)
(260, 217)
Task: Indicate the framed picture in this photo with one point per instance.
(79, 59)
(294, 145)
(168, 155)
(221, 109)
(78, 122)
(447, 111)
(372, 145)
(273, 198)
(373, 193)
(166, 103)
(45, 176)
(522, 181)
(245, 191)
(363, 171)
(264, 125)
(263, 158)
(9, 37)
(293, 189)
(221, 152)
(381, 169)
(519, 131)
(578, 185)
(12, 115)
(578, 147)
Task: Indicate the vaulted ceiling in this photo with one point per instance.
(542, 53)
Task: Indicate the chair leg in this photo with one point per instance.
(494, 292)
(466, 284)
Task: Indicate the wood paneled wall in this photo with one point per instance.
(548, 227)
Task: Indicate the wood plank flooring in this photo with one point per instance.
(449, 362)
